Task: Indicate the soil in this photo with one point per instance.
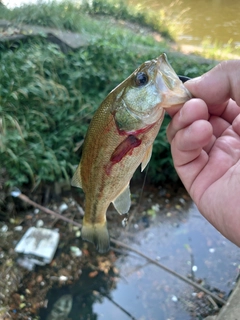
(89, 277)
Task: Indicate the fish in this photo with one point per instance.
(119, 138)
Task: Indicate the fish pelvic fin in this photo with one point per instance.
(98, 235)
(123, 201)
(77, 179)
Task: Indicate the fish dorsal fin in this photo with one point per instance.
(76, 179)
(123, 201)
(146, 158)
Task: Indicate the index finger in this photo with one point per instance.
(218, 86)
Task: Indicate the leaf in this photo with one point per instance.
(29, 170)
(24, 92)
(187, 246)
(14, 123)
(93, 274)
(14, 95)
(12, 155)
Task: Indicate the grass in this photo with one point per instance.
(47, 98)
(216, 51)
(76, 16)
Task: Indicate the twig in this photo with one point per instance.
(44, 209)
(192, 265)
(215, 306)
(123, 245)
(185, 279)
(137, 268)
(117, 305)
(125, 252)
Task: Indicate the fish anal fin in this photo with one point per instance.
(146, 158)
(123, 201)
(98, 235)
(76, 179)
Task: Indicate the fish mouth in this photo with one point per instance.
(170, 86)
(162, 90)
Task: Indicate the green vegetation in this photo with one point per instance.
(219, 52)
(47, 98)
(72, 16)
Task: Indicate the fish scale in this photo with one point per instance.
(120, 138)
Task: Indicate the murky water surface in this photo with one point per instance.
(181, 239)
(148, 292)
(217, 20)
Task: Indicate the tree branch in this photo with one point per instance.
(123, 245)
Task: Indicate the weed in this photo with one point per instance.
(217, 51)
(47, 98)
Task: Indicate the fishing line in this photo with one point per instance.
(132, 214)
(143, 185)
(119, 306)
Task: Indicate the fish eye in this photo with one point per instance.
(141, 79)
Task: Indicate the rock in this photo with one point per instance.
(13, 32)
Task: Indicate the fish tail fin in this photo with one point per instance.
(98, 235)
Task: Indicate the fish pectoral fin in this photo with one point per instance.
(98, 235)
(146, 158)
(76, 179)
(123, 201)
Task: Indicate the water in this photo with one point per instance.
(148, 292)
(215, 20)
(145, 292)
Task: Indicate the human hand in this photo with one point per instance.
(205, 143)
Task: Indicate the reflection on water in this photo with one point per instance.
(145, 292)
(77, 301)
(214, 19)
(217, 20)
(149, 292)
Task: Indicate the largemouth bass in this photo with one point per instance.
(120, 138)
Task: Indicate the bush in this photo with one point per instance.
(35, 112)
(69, 15)
(47, 99)
(135, 14)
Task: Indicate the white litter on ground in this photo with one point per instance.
(37, 246)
